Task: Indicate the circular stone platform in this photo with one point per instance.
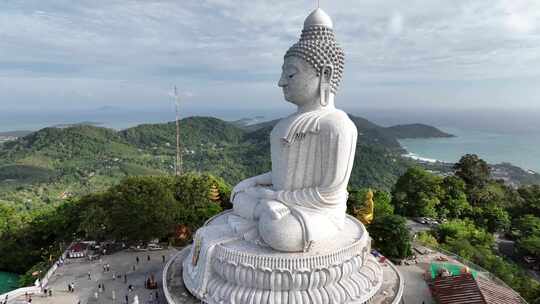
(175, 291)
(235, 270)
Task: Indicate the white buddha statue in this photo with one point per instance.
(288, 239)
(302, 201)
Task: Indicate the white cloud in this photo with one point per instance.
(395, 24)
(237, 46)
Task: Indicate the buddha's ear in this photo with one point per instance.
(327, 72)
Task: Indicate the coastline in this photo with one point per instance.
(512, 175)
(419, 158)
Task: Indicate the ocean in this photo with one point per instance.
(117, 118)
(495, 135)
(522, 150)
(8, 281)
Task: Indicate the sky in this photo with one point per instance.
(227, 54)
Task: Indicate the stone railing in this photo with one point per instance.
(19, 292)
(38, 284)
(164, 281)
(398, 299)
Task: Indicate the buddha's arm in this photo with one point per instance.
(337, 145)
(264, 179)
(254, 181)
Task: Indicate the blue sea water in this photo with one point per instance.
(117, 118)
(520, 149)
(497, 136)
(8, 281)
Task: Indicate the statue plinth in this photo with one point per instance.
(242, 271)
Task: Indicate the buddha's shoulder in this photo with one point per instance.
(336, 120)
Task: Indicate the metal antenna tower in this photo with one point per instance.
(178, 162)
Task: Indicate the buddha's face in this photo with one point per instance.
(299, 82)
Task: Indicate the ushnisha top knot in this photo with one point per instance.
(318, 17)
(318, 46)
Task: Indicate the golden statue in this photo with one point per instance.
(365, 214)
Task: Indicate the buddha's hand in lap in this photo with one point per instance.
(267, 203)
(275, 209)
(262, 193)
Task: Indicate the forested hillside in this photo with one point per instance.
(53, 164)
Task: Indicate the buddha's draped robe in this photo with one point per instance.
(312, 159)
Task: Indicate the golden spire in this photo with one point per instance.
(213, 194)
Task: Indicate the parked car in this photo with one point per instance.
(419, 220)
(154, 247)
(138, 248)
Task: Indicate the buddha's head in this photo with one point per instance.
(313, 67)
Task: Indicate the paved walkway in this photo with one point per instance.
(416, 288)
(121, 263)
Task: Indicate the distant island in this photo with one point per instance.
(244, 122)
(12, 135)
(417, 131)
(17, 133)
(83, 123)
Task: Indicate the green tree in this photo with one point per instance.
(531, 245)
(491, 217)
(391, 236)
(427, 238)
(531, 199)
(383, 203)
(142, 208)
(528, 225)
(464, 230)
(473, 170)
(454, 203)
(10, 220)
(417, 193)
(96, 222)
(528, 236)
(191, 191)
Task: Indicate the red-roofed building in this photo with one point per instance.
(464, 289)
